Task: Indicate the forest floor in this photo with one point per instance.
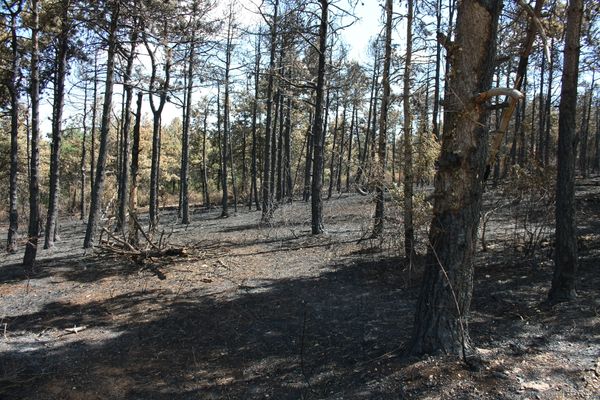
(272, 312)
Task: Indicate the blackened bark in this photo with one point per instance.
(383, 119)
(267, 201)
(309, 160)
(13, 225)
(317, 128)
(565, 258)
(57, 112)
(446, 291)
(254, 166)
(34, 186)
(126, 135)
(409, 230)
(133, 187)
(96, 200)
(161, 90)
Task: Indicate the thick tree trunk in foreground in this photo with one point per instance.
(444, 301)
(133, 186)
(96, 201)
(317, 128)
(565, 259)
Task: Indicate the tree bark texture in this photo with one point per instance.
(446, 291)
(565, 256)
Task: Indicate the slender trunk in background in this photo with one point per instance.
(226, 146)
(82, 178)
(267, 203)
(13, 89)
(341, 151)
(288, 186)
(122, 220)
(332, 159)
(547, 112)
(34, 186)
(57, 112)
(162, 91)
(97, 193)
(185, 140)
(254, 166)
(383, 120)
(585, 131)
(317, 128)
(309, 159)
(94, 118)
(204, 171)
(409, 230)
(362, 156)
(133, 187)
(447, 286)
(349, 159)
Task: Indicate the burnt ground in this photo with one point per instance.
(272, 312)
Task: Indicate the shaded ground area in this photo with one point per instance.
(272, 312)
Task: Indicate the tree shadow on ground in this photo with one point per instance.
(302, 338)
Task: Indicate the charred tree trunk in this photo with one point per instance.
(309, 160)
(57, 112)
(565, 256)
(383, 119)
(133, 187)
(185, 140)
(13, 89)
(317, 128)
(267, 202)
(34, 185)
(96, 200)
(445, 297)
(126, 135)
(409, 230)
(254, 166)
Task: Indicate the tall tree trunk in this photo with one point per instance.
(349, 159)
(338, 185)
(96, 200)
(34, 185)
(409, 230)
(254, 166)
(94, 120)
(267, 203)
(13, 225)
(226, 147)
(82, 166)
(317, 128)
(333, 142)
(547, 112)
(57, 112)
(204, 170)
(157, 110)
(445, 297)
(133, 187)
(565, 256)
(288, 186)
(383, 121)
(585, 130)
(309, 159)
(437, 78)
(126, 135)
